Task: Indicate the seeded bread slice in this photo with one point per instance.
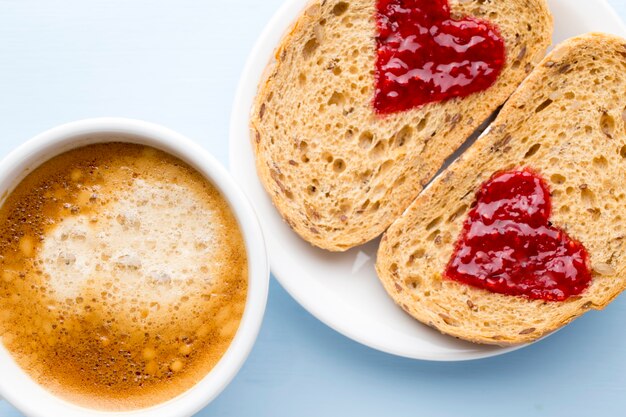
(567, 121)
(338, 173)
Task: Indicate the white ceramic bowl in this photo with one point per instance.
(33, 400)
(341, 289)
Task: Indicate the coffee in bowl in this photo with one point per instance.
(123, 276)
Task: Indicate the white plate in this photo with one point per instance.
(342, 290)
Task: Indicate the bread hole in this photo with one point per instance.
(311, 190)
(328, 157)
(378, 150)
(302, 78)
(339, 166)
(379, 191)
(337, 70)
(600, 162)
(426, 294)
(587, 196)
(365, 205)
(422, 124)
(345, 207)
(622, 151)
(595, 213)
(569, 95)
(532, 150)
(624, 116)
(385, 166)
(310, 47)
(607, 124)
(304, 158)
(403, 136)
(458, 213)
(337, 99)
(400, 181)
(365, 175)
(604, 269)
(433, 223)
(365, 139)
(418, 254)
(557, 179)
(375, 206)
(340, 8)
(543, 105)
(448, 320)
(413, 282)
(433, 235)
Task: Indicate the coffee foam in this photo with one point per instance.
(124, 276)
(155, 241)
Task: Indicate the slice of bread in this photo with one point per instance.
(338, 173)
(567, 122)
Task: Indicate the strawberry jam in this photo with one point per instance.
(509, 246)
(424, 56)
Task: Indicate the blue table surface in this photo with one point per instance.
(177, 63)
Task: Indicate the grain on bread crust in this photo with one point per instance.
(567, 121)
(338, 173)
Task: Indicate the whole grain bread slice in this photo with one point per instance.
(338, 173)
(567, 121)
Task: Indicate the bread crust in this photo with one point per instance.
(338, 173)
(567, 121)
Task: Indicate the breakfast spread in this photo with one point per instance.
(365, 101)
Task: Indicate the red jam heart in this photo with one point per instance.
(508, 245)
(426, 56)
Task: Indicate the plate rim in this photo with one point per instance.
(281, 22)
